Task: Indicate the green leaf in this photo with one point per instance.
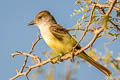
(77, 11)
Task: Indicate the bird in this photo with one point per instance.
(59, 39)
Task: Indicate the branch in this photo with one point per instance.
(90, 21)
(118, 29)
(86, 29)
(78, 28)
(97, 32)
(26, 58)
(111, 7)
(31, 50)
(104, 6)
(117, 26)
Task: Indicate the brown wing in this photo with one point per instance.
(59, 32)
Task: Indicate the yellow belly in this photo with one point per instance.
(64, 46)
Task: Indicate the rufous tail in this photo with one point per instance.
(94, 63)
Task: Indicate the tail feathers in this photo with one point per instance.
(96, 64)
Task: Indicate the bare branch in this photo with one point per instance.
(90, 21)
(31, 50)
(111, 7)
(26, 58)
(89, 30)
(104, 6)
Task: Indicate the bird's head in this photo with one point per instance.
(43, 17)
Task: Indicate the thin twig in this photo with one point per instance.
(31, 50)
(90, 21)
(111, 7)
(86, 29)
(104, 6)
(118, 29)
(26, 58)
(89, 30)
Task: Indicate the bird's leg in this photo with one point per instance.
(73, 54)
(57, 58)
(72, 59)
(54, 60)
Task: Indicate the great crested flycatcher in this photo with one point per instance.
(59, 39)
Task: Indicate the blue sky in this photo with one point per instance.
(16, 36)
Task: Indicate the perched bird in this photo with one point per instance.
(59, 39)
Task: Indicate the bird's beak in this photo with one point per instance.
(31, 23)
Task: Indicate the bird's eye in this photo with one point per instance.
(40, 17)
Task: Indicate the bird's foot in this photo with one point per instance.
(59, 57)
(72, 58)
(56, 59)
